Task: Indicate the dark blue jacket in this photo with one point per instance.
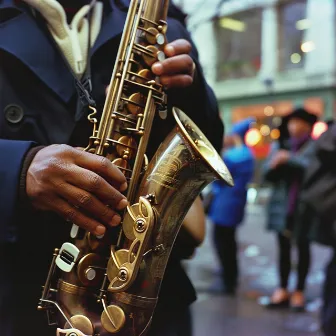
(228, 205)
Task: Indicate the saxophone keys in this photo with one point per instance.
(67, 257)
(162, 27)
(97, 243)
(136, 103)
(112, 268)
(153, 36)
(128, 221)
(69, 332)
(163, 114)
(161, 56)
(82, 324)
(113, 318)
(74, 231)
(90, 270)
(123, 165)
(153, 56)
(144, 76)
(126, 146)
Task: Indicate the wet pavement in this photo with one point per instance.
(244, 315)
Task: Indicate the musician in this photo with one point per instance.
(46, 182)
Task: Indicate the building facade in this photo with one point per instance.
(263, 57)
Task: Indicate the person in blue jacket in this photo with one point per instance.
(228, 204)
(46, 182)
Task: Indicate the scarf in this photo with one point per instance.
(296, 145)
(73, 38)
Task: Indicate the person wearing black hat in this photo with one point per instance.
(284, 169)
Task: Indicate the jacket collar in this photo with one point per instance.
(39, 54)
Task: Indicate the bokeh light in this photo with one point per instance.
(308, 46)
(265, 130)
(269, 111)
(277, 121)
(318, 129)
(295, 58)
(252, 137)
(275, 134)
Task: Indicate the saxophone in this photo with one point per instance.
(101, 285)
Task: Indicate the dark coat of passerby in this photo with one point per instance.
(284, 169)
(228, 204)
(317, 216)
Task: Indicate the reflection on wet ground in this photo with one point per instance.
(244, 315)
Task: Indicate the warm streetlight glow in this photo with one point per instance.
(269, 111)
(252, 137)
(265, 130)
(308, 46)
(318, 129)
(275, 134)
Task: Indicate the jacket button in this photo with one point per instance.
(13, 113)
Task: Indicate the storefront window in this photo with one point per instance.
(293, 24)
(239, 45)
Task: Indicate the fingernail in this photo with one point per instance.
(116, 219)
(157, 68)
(122, 204)
(100, 230)
(123, 187)
(164, 81)
(170, 50)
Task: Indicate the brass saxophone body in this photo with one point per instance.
(94, 286)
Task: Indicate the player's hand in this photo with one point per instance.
(83, 188)
(177, 70)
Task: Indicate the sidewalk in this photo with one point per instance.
(217, 315)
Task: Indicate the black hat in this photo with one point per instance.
(303, 114)
(300, 113)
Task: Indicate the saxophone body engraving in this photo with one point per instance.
(98, 288)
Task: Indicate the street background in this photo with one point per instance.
(244, 315)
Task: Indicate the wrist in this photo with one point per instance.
(23, 198)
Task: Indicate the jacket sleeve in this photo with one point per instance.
(299, 162)
(326, 147)
(198, 101)
(12, 154)
(293, 168)
(270, 174)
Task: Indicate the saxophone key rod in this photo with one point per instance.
(115, 90)
(46, 287)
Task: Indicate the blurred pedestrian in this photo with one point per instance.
(285, 169)
(317, 216)
(228, 204)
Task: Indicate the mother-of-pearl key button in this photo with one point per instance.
(67, 257)
(74, 231)
(90, 274)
